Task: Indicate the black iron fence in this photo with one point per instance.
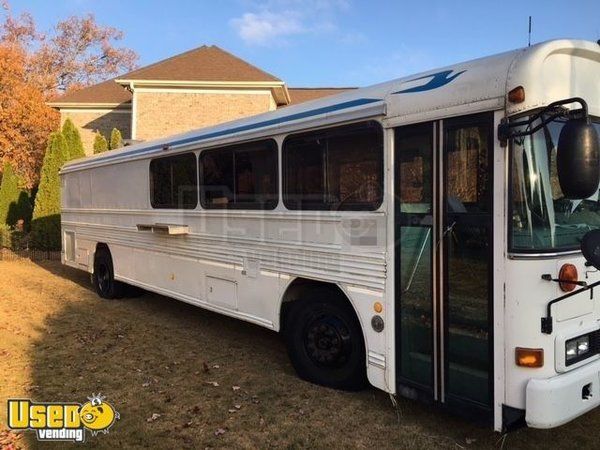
(38, 242)
(7, 254)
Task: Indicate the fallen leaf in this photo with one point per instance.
(212, 383)
(146, 384)
(216, 366)
(469, 441)
(235, 388)
(237, 406)
(153, 417)
(232, 410)
(220, 431)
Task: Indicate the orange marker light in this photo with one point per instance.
(529, 357)
(517, 95)
(568, 272)
(378, 307)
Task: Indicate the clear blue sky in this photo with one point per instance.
(332, 42)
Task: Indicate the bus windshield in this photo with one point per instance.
(543, 220)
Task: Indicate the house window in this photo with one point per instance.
(240, 176)
(334, 169)
(174, 182)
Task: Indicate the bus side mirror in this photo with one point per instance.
(590, 248)
(578, 159)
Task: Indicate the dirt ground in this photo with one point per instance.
(182, 377)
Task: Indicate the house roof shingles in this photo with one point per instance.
(206, 63)
(299, 95)
(107, 92)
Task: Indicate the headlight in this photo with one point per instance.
(577, 348)
(571, 350)
(583, 345)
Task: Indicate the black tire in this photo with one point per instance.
(104, 276)
(325, 342)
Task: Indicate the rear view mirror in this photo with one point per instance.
(590, 247)
(578, 159)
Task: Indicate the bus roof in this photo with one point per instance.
(483, 82)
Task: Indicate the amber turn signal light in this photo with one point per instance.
(517, 95)
(529, 357)
(568, 272)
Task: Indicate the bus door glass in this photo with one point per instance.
(414, 237)
(466, 241)
(443, 213)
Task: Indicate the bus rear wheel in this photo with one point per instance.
(104, 276)
(325, 342)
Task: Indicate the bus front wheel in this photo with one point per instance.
(104, 276)
(325, 342)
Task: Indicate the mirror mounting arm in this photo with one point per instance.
(548, 277)
(507, 130)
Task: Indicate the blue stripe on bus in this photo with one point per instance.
(437, 80)
(252, 126)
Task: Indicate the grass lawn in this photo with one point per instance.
(182, 377)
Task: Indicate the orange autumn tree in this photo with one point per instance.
(80, 53)
(75, 53)
(25, 120)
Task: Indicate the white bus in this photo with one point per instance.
(410, 235)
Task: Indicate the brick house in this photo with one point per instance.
(198, 88)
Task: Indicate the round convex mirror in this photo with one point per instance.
(590, 247)
(578, 159)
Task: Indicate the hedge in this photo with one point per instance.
(73, 140)
(45, 226)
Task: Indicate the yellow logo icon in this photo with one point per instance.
(97, 415)
(62, 421)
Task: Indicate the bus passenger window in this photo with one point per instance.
(240, 176)
(335, 169)
(174, 182)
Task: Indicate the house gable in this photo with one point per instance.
(202, 87)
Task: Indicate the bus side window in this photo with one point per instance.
(338, 168)
(239, 176)
(174, 182)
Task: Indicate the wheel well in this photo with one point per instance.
(103, 246)
(300, 287)
(100, 246)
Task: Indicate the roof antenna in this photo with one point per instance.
(529, 43)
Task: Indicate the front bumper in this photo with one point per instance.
(555, 401)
